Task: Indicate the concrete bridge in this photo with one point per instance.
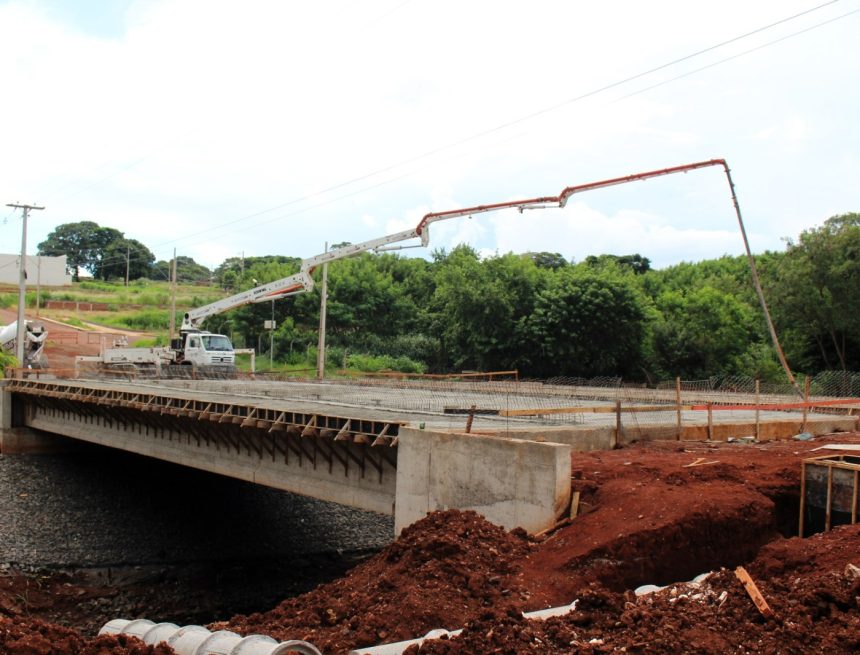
(370, 458)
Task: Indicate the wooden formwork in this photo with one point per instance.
(829, 489)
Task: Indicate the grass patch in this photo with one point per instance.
(145, 320)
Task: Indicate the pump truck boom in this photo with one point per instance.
(196, 347)
(302, 281)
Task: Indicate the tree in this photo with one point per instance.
(586, 322)
(187, 271)
(636, 262)
(77, 241)
(551, 260)
(96, 249)
(701, 332)
(816, 295)
(121, 253)
(478, 305)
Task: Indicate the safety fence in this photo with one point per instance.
(665, 410)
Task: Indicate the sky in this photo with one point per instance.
(225, 129)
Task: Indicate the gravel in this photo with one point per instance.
(99, 507)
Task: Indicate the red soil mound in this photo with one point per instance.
(440, 572)
(815, 599)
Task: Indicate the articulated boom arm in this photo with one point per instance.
(561, 199)
(302, 281)
(297, 283)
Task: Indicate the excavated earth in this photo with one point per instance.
(653, 513)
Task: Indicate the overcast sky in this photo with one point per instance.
(271, 127)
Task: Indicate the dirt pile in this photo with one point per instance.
(20, 636)
(442, 571)
(814, 593)
(651, 513)
(661, 512)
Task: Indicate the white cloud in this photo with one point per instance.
(184, 128)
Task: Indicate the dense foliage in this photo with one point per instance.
(608, 315)
(546, 316)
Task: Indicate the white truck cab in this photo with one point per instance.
(207, 349)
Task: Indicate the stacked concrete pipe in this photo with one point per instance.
(197, 640)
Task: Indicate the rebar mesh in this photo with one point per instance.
(663, 410)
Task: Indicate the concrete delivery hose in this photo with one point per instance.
(197, 640)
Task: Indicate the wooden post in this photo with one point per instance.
(757, 403)
(617, 423)
(854, 500)
(470, 419)
(574, 505)
(805, 400)
(678, 404)
(829, 506)
(710, 421)
(802, 498)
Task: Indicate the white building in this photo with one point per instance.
(41, 270)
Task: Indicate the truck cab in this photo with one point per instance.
(205, 349)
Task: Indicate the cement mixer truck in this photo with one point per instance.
(35, 337)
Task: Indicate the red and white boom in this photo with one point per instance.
(302, 281)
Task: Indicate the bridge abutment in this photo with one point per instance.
(18, 439)
(511, 482)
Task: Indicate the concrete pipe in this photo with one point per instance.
(138, 628)
(158, 633)
(186, 640)
(197, 640)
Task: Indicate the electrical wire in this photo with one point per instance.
(511, 123)
(533, 115)
(738, 55)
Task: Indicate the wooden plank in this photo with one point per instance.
(574, 505)
(754, 593)
(854, 499)
(601, 409)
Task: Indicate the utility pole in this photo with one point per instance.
(173, 296)
(127, 262)
(38, 282)
(22, 282)
(272, 340)
(321, 342)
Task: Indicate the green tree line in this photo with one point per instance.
(545, 316)
(607, 315)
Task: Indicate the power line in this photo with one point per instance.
(511, 123)
(738, 55)
(613, 85)
(516, 121)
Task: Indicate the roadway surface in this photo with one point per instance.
(445, 406)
